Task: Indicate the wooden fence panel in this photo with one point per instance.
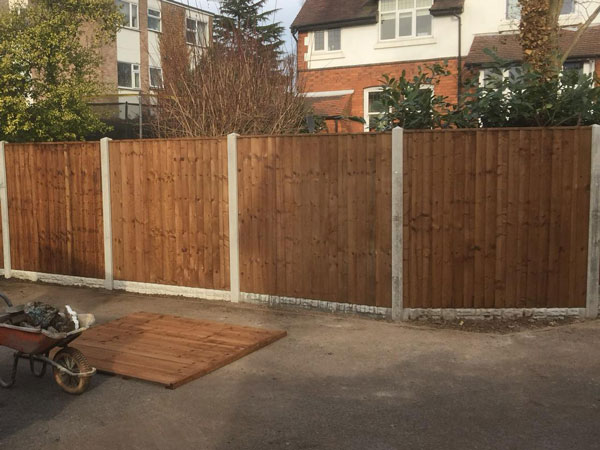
(315, 217)
(55, 208)
(496, 218)
(170, 212)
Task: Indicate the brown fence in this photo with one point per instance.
(169, 212)
(55, 208)
(496, 218)
(315, 217)
(492, 218)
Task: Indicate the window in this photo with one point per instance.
(513, 9)
(195, 32)
(576, 66)
(330, 40)
(130, 11)
(154, 22)
(373, 107)
(156, 80)
(128, 75)
(404, 18)
(493, 77)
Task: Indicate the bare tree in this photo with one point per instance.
(223, 89)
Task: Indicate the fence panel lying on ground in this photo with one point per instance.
(315, 217)
(170, 212)
(55, 208)
(496, 218)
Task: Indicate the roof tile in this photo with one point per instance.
(508, 47)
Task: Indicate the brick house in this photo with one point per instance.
(345, 46)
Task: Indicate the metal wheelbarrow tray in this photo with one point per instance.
(72, 371)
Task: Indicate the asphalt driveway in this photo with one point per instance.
(336, 382)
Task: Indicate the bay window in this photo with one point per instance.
(404, 18)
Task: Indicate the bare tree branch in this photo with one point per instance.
(580, 30)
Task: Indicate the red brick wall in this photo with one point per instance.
(359, 78)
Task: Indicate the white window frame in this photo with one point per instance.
(367, 91)
(150, 77)
(326, 41)
(134, 71)
(201, 41)
(367, 114)
(159, 17)
(508, 16)
(589, 68)
(396, 13)
(131, 15)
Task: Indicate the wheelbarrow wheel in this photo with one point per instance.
(73, 360)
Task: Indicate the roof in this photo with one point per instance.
(508, 47)
(318, 14)
(446, 7)
(330, 106)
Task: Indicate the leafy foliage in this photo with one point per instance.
(244, 20)
(410, 102)
(509, 97)
(49, 67)
(528, 99)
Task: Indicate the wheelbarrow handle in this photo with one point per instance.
(6, 300)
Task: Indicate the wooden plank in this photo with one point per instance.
(489, 252)
(152, 347)
(512, 222)
(469, 220)
(383, 278)
(533, 251)
(502, 143)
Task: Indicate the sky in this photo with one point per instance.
(288, 11)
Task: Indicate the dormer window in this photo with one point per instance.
(328, 40)
(513, 9)
(404, 18)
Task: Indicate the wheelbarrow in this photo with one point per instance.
(72, 371)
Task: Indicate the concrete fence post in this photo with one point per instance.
(4, 213)
(593, 266)
(397, 221)
(106, 213)
(234, 246)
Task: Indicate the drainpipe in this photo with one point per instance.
(459, 71)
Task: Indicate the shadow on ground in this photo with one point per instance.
(334, 383)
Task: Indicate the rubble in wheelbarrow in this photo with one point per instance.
(47, 317)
